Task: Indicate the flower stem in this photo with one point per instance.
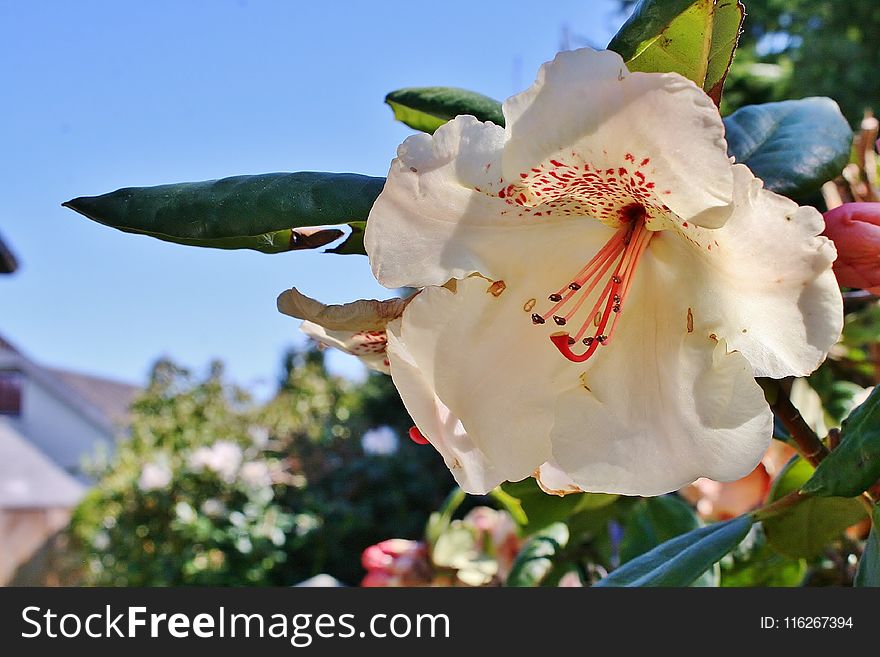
(779, 506)
(806, 440)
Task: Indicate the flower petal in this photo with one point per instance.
(763, 282)
(361, 315)
(483, 359)
(660, 404)
(368, 346)
(439, 218)
(587, 105)
(467, 463)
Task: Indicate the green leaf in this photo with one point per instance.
(354, 243)
(793, 146)
(806, 528)
(542, 509)
(680, 561)
(538, 556)
(427, 108)
(754, 563)
(510, 504)
(695, 38)
(440, 520)
(655, 520)
(854, 465)
(868, 573)
(251, 212)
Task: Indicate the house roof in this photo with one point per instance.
(29, 479)
(113, 398)
(8, 263)
(104, 402)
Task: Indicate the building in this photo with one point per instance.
(51, 422)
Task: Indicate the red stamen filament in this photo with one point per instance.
(626, 249)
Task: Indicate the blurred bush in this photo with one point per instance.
(212, 489)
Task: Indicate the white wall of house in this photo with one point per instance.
(54, 427)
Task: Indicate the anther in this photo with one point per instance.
(555, 297)
(537, 319)
(616, 308)
(601, 339)
(587, 341)
(559, 320)
(571, 340)
(574, 286)
(617, 280)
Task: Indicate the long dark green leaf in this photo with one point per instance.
(806, 528)
(253, 212)
(868, 573)
(680, 561)
(655, 520)
(427, 108)
(538, 556)
(695, 38)
(793, 146)
(855, 464)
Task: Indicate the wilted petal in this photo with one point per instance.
(361, 315)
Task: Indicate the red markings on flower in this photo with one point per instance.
(578, 188)
(417, 437)
(368, 342)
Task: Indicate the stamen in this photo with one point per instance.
(622, 252)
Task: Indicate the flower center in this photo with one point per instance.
(605, 281)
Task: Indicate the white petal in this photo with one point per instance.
(438, 216)
(554, 481)
(368, 346)
(763, 282)
(468, 464)
(660, 405)
(486, 363)
(585, 105)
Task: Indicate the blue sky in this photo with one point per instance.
(102, 95)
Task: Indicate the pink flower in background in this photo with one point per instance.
(721, 501)
(496, 535)
(855, 230)
(396, 562)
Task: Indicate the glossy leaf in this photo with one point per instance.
(755, 563)
(427, 108)
(538, 556)
(680, 561)
(806, 528)
(653, 521)
(794, 146)
(542, 509)
(695, 38)
(258, 212)
(868, 573)
(854, 465)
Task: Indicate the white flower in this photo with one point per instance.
(213, 508)
(357, 328)
(255, 474)
(223, 458)
(185, 513)
(154, 476)
(380, 441)
(602, 284)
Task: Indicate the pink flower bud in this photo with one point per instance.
(855, 230)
